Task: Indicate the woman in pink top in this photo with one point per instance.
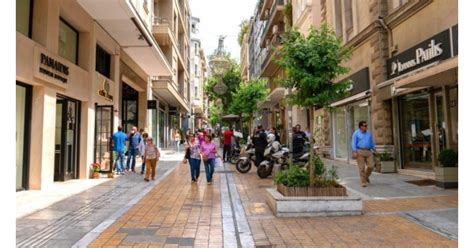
(209, 153)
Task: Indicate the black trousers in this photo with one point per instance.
(259, 155)
(226, 152)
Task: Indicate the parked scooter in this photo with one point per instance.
(244, 164)
(274, 154)
(235, 154)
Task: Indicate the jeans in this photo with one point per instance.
(177, 145)
(132, 153)
(209, 166)
(119, 166)
(143, 164)
(195, 165)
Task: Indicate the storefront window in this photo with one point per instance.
(23, 16)
(341, 133)
(453, 107)
(129, 107)
(415, 131)
(102, 61)
(23, 95)
(68, 41)
(161, 123)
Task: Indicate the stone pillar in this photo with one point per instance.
(43, 126)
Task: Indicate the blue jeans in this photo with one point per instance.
(119, 166)
(132, 153)
(143, 164)
(177, 145)
(209, 166)
(195, 165)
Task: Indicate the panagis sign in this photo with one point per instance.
(433, 49)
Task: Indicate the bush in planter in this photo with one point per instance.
(448, 158)
(295, 176)
(385, 156)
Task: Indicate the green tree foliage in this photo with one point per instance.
(244, 27)
(231, 79)
(312, 64)
(245, 99)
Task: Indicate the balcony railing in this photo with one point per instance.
(276, 3)
(274, 43)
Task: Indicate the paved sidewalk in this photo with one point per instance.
(64, 222)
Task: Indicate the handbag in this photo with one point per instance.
(187, 155)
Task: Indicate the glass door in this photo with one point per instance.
(416, 131)
(161, 124)
(23, 115)
(340, 132)
(66, 139)
(104, 116)
(440, 122)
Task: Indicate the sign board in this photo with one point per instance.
(50, 68)
(430, 50)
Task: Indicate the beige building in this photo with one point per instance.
(83, 68)
(404, 72)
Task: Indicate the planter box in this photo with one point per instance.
(311, 191)
(291, 206)
(446, 177)
(387, 167)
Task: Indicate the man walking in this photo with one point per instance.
(133, 143)
(362, 144)
(228, 133)
(259, 140)
(119, 139)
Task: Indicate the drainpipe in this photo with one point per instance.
(389, 33)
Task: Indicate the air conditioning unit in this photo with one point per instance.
(275, 29)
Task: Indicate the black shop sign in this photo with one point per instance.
(433, 49)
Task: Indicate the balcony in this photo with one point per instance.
(275, 17)
(264, 9)
(269, 67)
(163, 31)
(164, 87)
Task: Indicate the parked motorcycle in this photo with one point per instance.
(235, 154)
(274, 154)
(244, 164)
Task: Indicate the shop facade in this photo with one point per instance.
(423, 84)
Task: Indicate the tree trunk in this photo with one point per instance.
(311, 151)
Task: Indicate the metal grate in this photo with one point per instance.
(423, 182)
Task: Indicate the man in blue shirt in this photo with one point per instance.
(362, 144)
(119, 139)
(133, 144)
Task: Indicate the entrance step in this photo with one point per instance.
(426, 174)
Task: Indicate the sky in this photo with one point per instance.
(221, 17)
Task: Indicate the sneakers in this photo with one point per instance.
(141, 172)
(209, 183)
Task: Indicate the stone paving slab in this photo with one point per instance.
(65, 222)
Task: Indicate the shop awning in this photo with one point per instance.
(444, 73)
(165, 89)
(121, 20)
(356, 97)
(273, 98)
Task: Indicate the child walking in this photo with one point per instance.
(152, 155)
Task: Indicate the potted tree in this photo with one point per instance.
(447, 170)
(386, 162)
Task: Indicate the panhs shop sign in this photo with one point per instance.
(433, 49)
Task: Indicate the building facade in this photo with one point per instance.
(198, 77)
(85, 67)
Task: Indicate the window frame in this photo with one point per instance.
(77, 39)
(109, 57)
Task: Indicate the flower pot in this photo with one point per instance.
(387, 167)
(110, 175)
(337, 190)
(446, 177)
(95, 175)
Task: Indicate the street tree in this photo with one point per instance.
(312, 64)
(231, 79)
(245, 99)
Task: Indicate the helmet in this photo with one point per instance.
(270, 138)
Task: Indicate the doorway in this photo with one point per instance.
(104, 120)
(66, 157)
(129, 107)
(23, 117)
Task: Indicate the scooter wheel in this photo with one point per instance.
(262, 171)
(234, 160)
(243, 166)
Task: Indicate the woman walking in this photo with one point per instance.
(177, 139)
(194, 157)
(152, 155)
(141, 148)
(209, 153)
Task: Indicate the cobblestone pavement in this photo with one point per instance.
(65, 222)
(178, 213)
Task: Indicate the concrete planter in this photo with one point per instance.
(446, 177)
(311, 191)
(387, 167)
(291, 206)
